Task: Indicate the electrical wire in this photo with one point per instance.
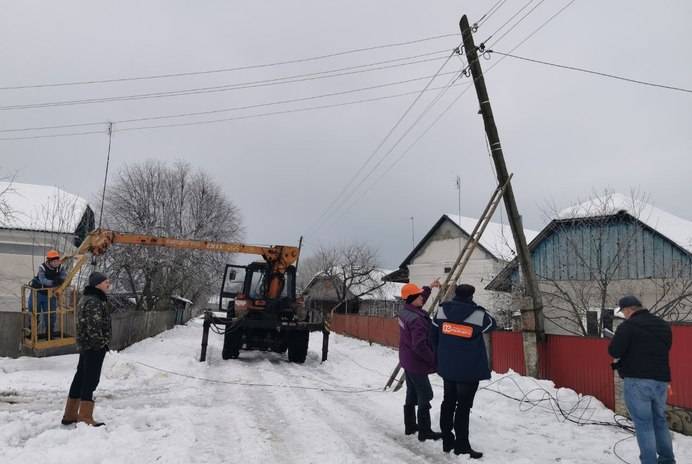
(590, 71)
(349, 70)
(222, 110)
(219, 120)
(391, 149)
(514, 26)
(510, 20)
(256, 384)
(493, 9)
(224, 70)
(529, 36)
(380, 145)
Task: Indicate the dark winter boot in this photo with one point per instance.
(424, 429)
(447, 425)
(86, 414)
(466, 449)
(410, 420)
(461, 430)
(71, 411)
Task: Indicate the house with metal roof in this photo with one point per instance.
(435, 254)
(595, 252)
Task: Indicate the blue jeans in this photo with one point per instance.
(42, 310)
(646, 402)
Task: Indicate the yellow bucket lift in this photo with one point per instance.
(49, 317)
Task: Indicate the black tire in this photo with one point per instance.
(232, 341)
(298, 346)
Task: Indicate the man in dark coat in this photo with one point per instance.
(93, 337)
(417, 358)
(641, 345)
(462, 362)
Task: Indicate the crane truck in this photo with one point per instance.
(258, 305)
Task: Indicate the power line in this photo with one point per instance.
(213, 121)
(391, 149)
(493, 9)
(534, 32)
(222, 110)
(514, 26)
(590, 71)
(224, 70)
(351, 70)
(381, 144)
(509, 20)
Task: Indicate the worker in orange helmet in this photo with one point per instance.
(50, 275)
(417, 358)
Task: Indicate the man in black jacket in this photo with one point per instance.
(641, 345)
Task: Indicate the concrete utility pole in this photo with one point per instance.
(532, 305)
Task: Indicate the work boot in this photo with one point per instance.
(410, 426)
(424, 430)
(71, 411)
(447, 442)
(466, 449)
(86, 414)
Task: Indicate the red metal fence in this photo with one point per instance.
(579, 363)
(507, 352)
(681, 366)
(384, 331)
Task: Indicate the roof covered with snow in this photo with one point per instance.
(41, 208)
(387, 291)
(672, 227)
(496, 238)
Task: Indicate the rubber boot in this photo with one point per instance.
(86, 414)
(461, 430)
(447, 425)
(410, 426)
(424, 430)
(71, 411)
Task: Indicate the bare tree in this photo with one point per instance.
(5, 209)
(590, 271)
(343, 273)
(170, 201)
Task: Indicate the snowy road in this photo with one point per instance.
(163, 406)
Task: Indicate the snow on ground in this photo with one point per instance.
(162, 406)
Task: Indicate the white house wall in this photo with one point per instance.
(441, 250)
(21, 252)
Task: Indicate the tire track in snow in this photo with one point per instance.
(349, 416)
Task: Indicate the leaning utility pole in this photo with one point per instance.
(532, 305)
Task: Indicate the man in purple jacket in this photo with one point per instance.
(417, 357)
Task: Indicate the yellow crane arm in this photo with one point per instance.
(98, 241)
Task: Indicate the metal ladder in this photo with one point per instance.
(447, 288)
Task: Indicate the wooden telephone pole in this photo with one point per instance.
(532, 304)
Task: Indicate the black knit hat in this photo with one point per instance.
(96, 278)
(629, 301)
(464, 291)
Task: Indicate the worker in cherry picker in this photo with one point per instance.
(50, 275)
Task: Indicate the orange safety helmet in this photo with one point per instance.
(410, 290)
(52, 254)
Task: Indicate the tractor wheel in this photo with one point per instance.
(232, 341)
(298, 346)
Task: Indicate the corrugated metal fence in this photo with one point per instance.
(579, 363)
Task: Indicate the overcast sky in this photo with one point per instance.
(565, 134)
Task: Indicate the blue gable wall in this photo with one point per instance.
(570, 249)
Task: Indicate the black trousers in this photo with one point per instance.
(456, 408)
(88, 374)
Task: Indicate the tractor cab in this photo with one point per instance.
(245, 289)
